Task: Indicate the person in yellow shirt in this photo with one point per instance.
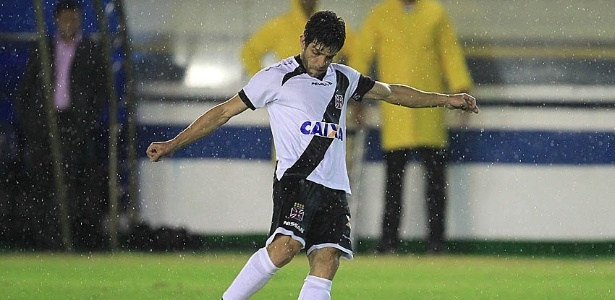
(274, 36)
(413, 42)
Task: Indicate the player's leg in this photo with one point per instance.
(328, 239)
(254, 275)
(261, 266)
(323, 266)
(324, 262)
(291, 216)
(283, 249)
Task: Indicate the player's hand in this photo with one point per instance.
(462, 101)
(157, 150)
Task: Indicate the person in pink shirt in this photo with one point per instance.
(79, 94)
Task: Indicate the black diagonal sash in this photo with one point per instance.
(315, 151)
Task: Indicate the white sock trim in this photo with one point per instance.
(266, 262)
(254, 275)
(315, 288)
(320, 282)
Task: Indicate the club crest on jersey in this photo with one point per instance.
(297, 212)
(339, 101)
(323, 129)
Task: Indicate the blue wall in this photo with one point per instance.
(535, 147)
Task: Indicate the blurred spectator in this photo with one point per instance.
(413, 42)
(79, 93)
(278, 37)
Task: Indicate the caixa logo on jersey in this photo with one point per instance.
(328, 130)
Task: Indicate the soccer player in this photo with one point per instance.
(306, 97)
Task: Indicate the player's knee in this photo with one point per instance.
(324, 262)
(283, 249)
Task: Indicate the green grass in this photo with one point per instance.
(206, 275)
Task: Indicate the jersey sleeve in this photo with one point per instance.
(365, 83)
(261, 89)
(359, 83)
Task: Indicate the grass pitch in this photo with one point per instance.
(206, 276)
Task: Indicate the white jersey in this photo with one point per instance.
(307, 116)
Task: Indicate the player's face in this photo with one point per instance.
(316, 57)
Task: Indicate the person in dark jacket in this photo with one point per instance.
(79, 95)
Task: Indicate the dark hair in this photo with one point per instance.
(326, 28)
(67, 5)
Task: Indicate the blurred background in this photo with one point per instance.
(532, 172)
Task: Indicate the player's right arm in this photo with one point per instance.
(203, 126)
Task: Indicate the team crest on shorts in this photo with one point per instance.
(297, 212)
(339, 101)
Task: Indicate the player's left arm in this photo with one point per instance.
(408, 96)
